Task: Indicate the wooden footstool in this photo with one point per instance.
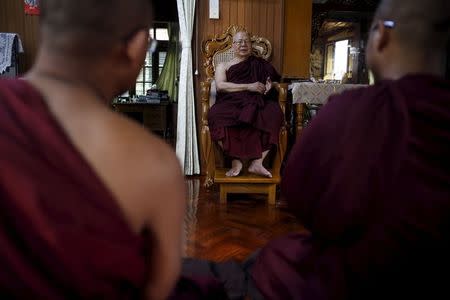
(246, 183)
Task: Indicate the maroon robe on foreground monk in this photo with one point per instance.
(63, 236)
(370, 179)
(247, 123)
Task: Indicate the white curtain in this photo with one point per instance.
(187, 149)
(190, 219)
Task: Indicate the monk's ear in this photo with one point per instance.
(382, 37)
(136, 46)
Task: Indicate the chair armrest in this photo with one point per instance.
(207, 144)
(205, 90)
(282, 89)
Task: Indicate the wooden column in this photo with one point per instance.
(297, 38)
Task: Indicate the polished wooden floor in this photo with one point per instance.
(233, 230)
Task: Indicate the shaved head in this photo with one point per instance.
(240, 34)
(419, 24)
(408, 37)
(92, 25)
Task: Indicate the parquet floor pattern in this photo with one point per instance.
(232, 231)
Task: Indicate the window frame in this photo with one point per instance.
(162, 46)
(332, 43)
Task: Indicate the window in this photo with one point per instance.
(340, 59)
(329, 61)
(145, 78)
(337, 61)
(154, 62)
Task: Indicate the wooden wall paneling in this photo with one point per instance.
(270, 23)
(248, 14)
(2, 16)
(297, 38)
(241, 12)
(226, 13)
(218, 24)
(201, 31)
(278, 32)
(261, 17)
(255, 17)
(233, 13)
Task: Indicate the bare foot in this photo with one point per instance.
(236, 167)
(257, 168)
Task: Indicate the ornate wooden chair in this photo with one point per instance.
(216, 50)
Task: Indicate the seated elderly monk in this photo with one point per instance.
(370, 178)
(246, 118)
(91, 204)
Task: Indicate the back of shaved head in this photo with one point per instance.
(419, 24)
(92, 25)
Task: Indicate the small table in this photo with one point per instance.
(314, 93)
(154, 116)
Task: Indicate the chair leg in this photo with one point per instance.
(272, 192)
(223, 194)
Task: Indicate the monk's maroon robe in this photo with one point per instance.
(62, 235)
(247, 123)
(370, 180)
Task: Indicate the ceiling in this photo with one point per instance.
(165, 10)
(359, 5)
(336, 11)
(331, 26)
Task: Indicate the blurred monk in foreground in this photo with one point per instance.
(91, 203)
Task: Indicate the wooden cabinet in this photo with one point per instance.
(155, 117)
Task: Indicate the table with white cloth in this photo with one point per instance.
(310, 93)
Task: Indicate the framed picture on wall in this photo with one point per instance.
(32, 7)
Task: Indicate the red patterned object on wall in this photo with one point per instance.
(32, 7)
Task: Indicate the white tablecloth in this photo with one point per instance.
(318, 93)
(7, 49)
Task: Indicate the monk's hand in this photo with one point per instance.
(257, 87)
(269, 85)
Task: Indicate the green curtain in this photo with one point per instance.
(167, 80)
